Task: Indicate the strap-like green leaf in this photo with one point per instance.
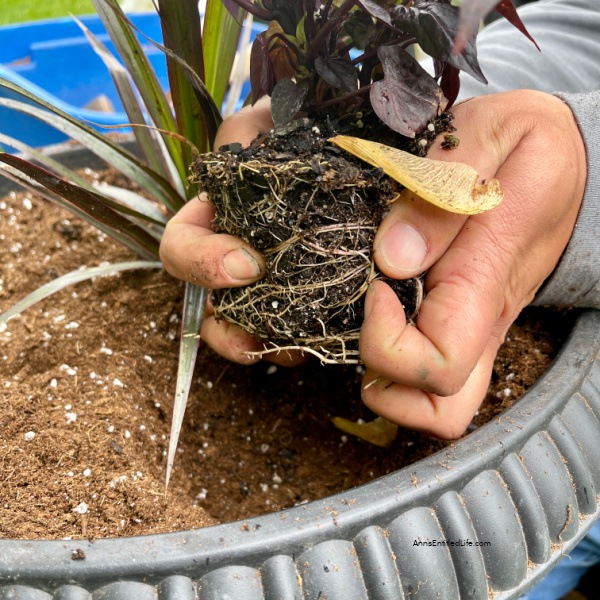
(91, 203)
(111, 152)
(141, 207)
(45, 160)
(219, 41)
(150, 143)
(138, 66)
(180, 22)
(194, 304)
(70, 279)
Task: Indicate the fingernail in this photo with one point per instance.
(241, 265)
(403, 248)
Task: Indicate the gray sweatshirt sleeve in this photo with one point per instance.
(568, 33)
(576, 280)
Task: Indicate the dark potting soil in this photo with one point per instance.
(87, 379)
(313, 211)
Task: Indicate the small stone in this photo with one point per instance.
(81, 508)
(77, 554)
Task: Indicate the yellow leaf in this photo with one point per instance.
(379, 432)
(452, 186)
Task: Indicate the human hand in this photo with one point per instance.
(482, 269)
(191, 251)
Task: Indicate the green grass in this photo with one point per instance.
(18, 11)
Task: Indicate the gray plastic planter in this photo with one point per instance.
(524, 486)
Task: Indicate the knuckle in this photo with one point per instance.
(203, 273)
(448, 382)
(165, 251)
(448, 430)
(229, 341)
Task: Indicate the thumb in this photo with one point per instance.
(244, 125)
(413, 236)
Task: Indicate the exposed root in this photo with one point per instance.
(326, 357)
(314, 215)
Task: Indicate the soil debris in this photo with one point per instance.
(86, 385)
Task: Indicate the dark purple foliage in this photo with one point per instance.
(473, 11)
(407, 97)
(342, 56)
(434, 26)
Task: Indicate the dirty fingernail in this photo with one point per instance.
(241, 265)
(403, 248)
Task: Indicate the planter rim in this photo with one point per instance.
(402, 501)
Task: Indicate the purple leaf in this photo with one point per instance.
(262, 76)
(407, 97)
(286, 100)
(450, 83)
(340, 74)
(473, 11)
(360, 27)
(509, 12)
(376, 11)
(255, 8)
(434, 25)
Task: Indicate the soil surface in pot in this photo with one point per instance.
(86, 385)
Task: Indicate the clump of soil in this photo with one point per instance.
(87, 379)
(313, 211)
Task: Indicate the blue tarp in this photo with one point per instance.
(54, 60)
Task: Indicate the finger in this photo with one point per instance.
(230, 341)
(445, 417)
(491, 270)
(413, 235)
(244, 125)
(191, 251)
(440, 352)
(236, 345)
